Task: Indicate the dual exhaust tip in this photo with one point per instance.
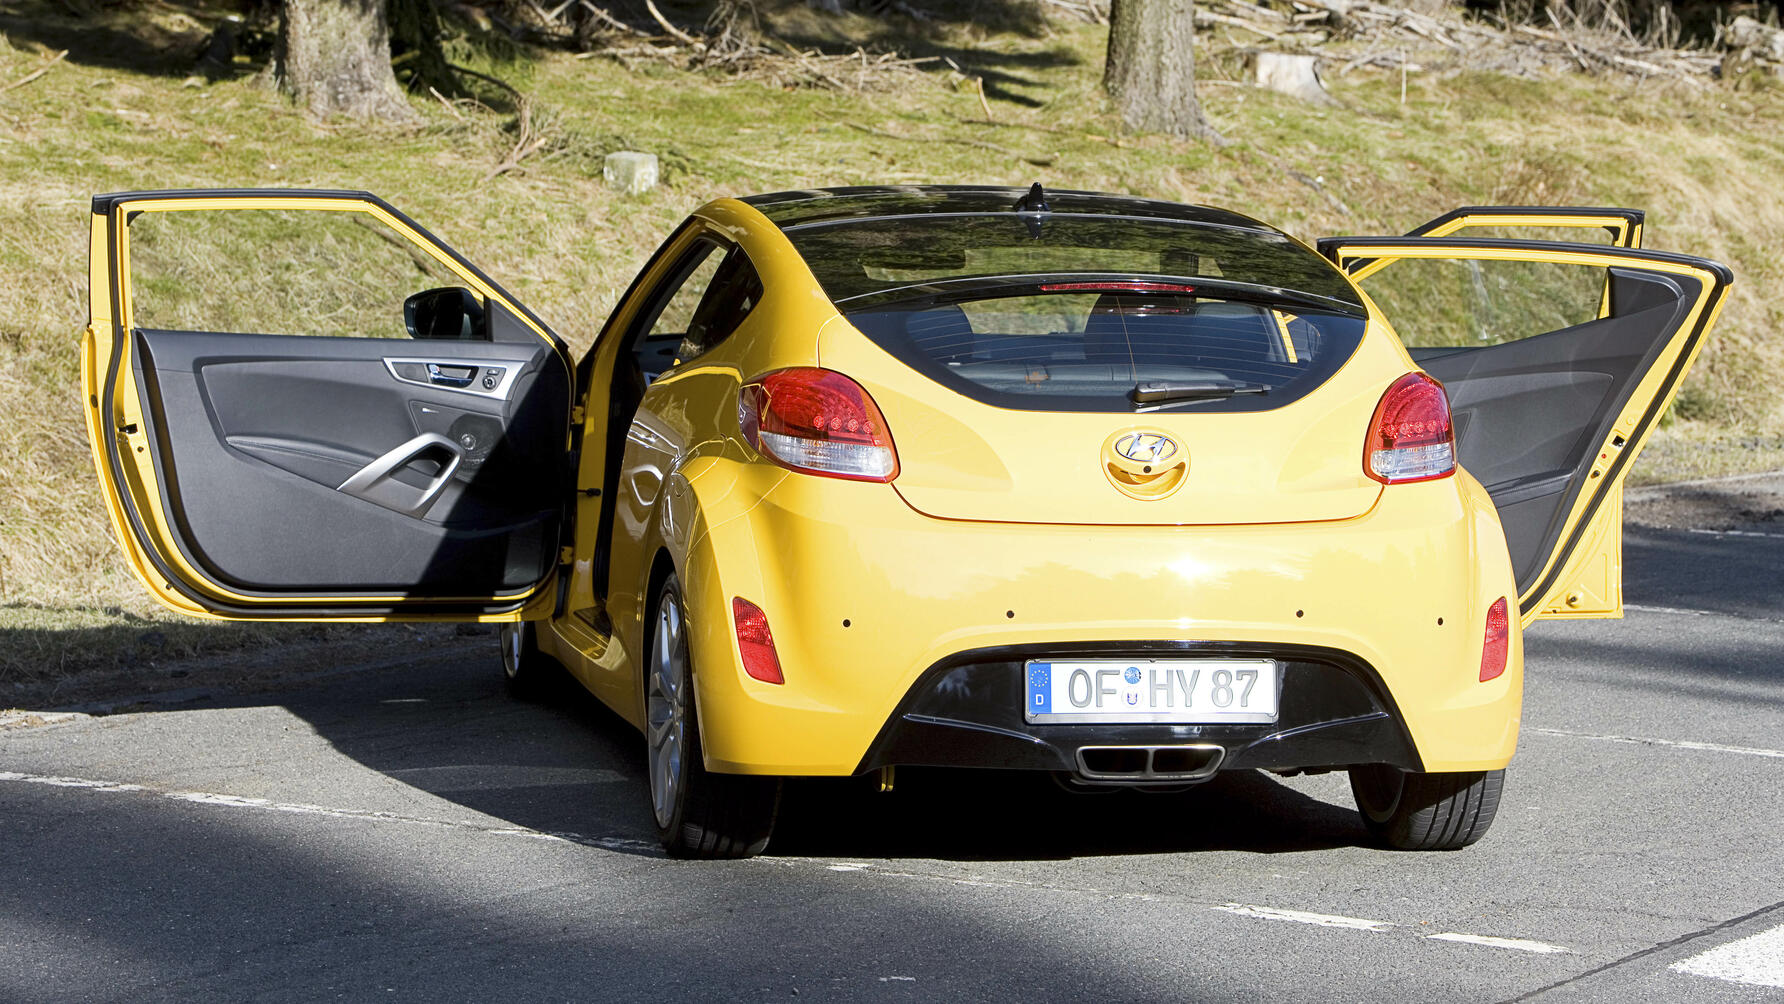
(1148, 764)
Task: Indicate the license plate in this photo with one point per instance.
(1182, 691)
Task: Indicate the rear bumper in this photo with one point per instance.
(902, 637)
(967, 712)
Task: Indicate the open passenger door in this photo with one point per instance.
(304, 406)
(1551, 401)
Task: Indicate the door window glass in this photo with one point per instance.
(710, 292)
(342, 274)
(666, 322)
(734, 291)
(1470, 302)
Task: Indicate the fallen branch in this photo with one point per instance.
(1381, 28)
(1205, 16)
(674, 32)
(525, 145)
(34, 74)
(443, 100)
(601, 14)
(1092, 12)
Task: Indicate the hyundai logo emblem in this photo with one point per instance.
(1146, 447)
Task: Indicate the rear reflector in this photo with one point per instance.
(1410, 437)
(819, 422)
(754, 642)
(1494, 644)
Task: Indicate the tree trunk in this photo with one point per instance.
(334, 56)
(1151, 67)
(415, 39)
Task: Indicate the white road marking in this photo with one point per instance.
(1516, 944)
(1756, 960)
(301, 808)
(479, 776)
(1302, 917)
(1237, 909)
(1656, 491)
(630, 845)
(373, 815)
(1682, 744)
(1738, 615)
(1735, 533)
(1685, 611)
(68, 782)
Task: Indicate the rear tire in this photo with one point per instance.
(699, 814)
(525, 669)
(1416, 811)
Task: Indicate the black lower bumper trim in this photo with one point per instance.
(966, 711)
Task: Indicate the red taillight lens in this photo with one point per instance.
(1496, 642)
(754, 642)
(1410, 437)
(817, 421)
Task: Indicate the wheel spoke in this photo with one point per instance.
(511, 650)
(665, 712)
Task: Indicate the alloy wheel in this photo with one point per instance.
(512, 641)
(666, 710)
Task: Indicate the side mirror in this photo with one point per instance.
(451, 313)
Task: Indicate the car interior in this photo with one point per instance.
(393, 463)
(1528, 413)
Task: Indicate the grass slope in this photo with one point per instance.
(119, 113)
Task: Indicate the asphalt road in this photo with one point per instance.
(411, 833)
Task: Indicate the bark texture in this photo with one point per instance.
(334, 56)
(1150, 71)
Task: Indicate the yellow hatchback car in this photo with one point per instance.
(1118, 489)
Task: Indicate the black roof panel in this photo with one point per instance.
(814, 205)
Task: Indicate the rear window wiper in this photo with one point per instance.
(1158, 392)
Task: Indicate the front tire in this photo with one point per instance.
(1417, 811)
(699, 814)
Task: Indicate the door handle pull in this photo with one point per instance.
(451, 376)
(375, 484)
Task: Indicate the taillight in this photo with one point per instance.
(817, 421)
(1410, 437)
(754, 642)
(1495, 642)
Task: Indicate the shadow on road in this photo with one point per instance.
(1732, 574)
(565, 764)
(230, 905)
(1017, 815)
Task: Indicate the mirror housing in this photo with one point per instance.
(449, 313)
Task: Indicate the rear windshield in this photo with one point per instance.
(859, 258)
(1114, 345)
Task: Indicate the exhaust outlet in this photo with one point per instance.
(1142, 764)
